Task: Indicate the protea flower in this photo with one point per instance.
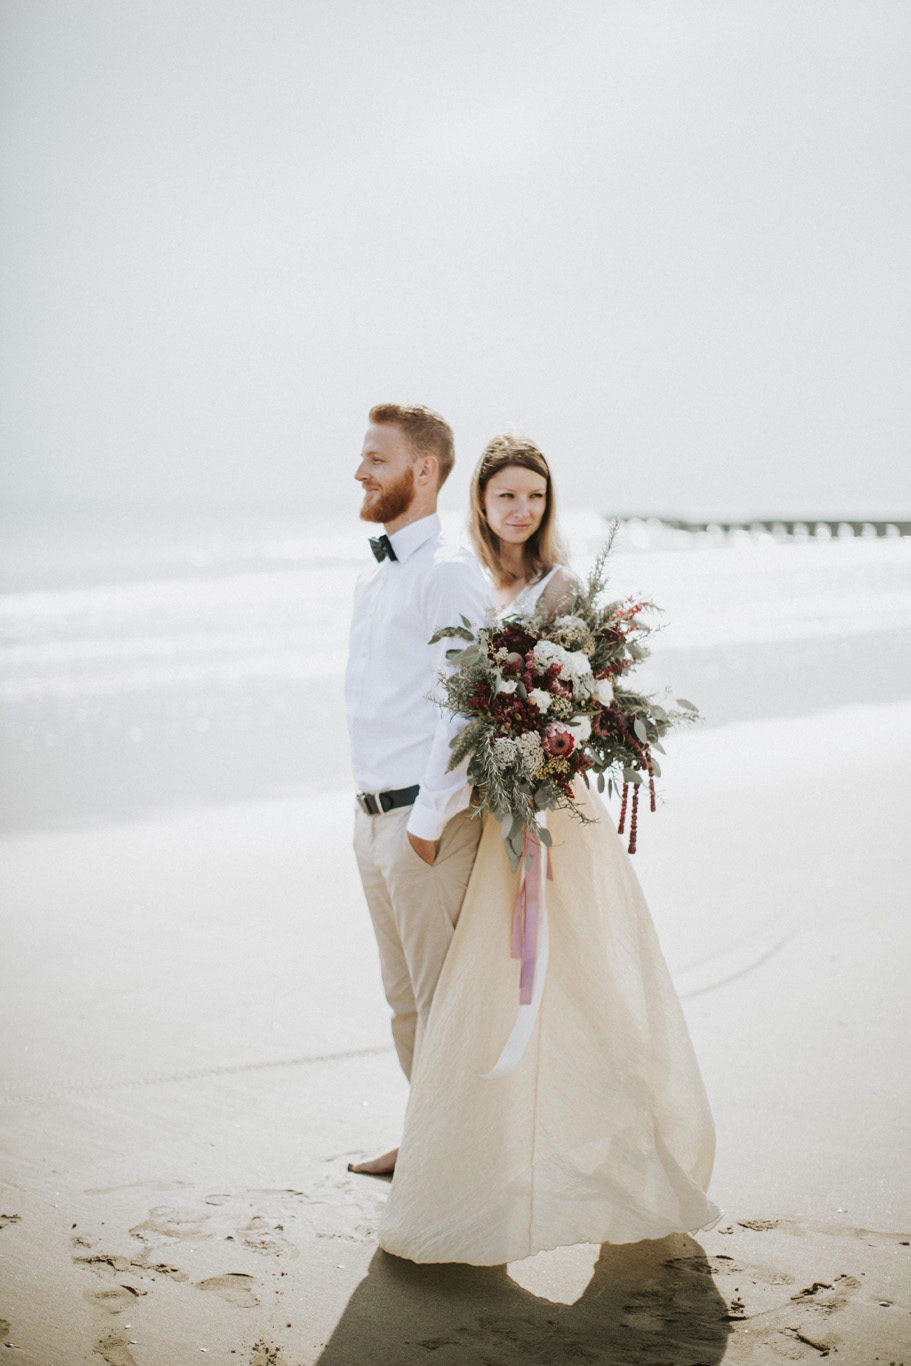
(558, 741)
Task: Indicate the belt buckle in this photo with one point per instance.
(368, 804)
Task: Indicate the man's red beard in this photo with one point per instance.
(389, 503)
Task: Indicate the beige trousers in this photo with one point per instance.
(415, 907)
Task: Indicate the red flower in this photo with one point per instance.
(558, 741)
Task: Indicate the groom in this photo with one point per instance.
(414, 840)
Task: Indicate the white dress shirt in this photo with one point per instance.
(398, 734)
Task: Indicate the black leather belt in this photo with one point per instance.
(375, 803)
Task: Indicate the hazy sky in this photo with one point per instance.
(668, 238)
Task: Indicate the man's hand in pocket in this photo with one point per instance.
(425, 849)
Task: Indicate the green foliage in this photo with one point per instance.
(445, 632)
(465, 742)
(626, 733)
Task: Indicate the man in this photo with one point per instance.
(415, 841)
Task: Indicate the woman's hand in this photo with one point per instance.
(425, 849)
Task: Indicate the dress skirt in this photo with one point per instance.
(602, 1133)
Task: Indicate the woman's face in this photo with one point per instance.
(515, 500)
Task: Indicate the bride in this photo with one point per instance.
(601, 1133)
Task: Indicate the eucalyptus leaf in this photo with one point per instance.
(444, 632)
(689, 706)
(640, 729)
(521, 690)
(470, 655)
(600, 782)
(545, 837)
(465, 622)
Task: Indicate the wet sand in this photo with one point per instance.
(196, 1044)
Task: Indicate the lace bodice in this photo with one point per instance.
(526, 600)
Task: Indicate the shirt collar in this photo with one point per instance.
(411, 537)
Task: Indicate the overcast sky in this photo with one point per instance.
(667, 238)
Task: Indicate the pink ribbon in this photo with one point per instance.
(525, 916)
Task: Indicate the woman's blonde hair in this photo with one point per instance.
(542, 550)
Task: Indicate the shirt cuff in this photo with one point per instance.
(426, 823)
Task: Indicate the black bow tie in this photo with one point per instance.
(382, 547)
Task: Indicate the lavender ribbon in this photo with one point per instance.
(531, 946)
(525, 915)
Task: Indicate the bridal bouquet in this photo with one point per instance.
(549, 698)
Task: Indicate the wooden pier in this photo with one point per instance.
(788, 526)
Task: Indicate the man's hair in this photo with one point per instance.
(425, 431)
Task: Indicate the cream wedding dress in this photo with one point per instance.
(602, 1132)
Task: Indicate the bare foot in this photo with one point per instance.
(376, 1166)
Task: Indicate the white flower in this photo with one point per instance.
(541, 699)
(604, 691)
(529, 747)
(575, 666)
(547, 652)
(505, 752)
(581, 728)
(578, 665)
(506, 685)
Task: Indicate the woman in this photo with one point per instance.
(514, 527)
(602, 1130)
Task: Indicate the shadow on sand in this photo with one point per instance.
(653, 1303)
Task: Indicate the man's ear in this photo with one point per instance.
(428, 471)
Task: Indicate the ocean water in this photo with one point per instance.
(162, 661)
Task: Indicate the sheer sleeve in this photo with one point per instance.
(559, 592)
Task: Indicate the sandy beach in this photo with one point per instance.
(666, 245)
(196, 1044)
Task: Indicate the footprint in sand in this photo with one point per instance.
(799, 1328)
(167, 1222)
(235, 1287)
(174, 1273)
(113, 1349)
(104, 1264)
(827, 1298)
(115, 1300)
